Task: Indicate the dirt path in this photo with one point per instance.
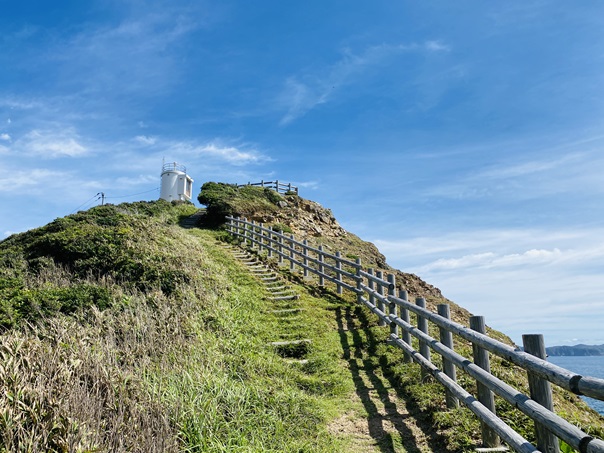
(381, 420)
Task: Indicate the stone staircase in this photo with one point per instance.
(193, 220)
(284, 305)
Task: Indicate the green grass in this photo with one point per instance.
(188, 365)
(124, 332)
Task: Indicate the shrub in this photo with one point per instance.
(281, 228)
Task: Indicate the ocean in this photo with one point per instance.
(585, 366)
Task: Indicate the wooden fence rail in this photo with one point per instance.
(276, 185)
(378, 293)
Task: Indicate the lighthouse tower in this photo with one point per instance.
(175, 183)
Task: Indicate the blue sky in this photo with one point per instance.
(463, 138)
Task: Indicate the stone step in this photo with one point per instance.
(286, 310)
(292, 297)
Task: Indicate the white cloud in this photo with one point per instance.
(145, 140)
(5, 137)
(231, 154)
(138, 180)
(313, 185)
(16, 181)
(51, 144)
(489, 260)
(436, 46)
(214, 151)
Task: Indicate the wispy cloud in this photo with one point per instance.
(302, 93)
(33, 179)
(145, 140)
(5, 137)
(51, 144)
(490, 260)
(143, 46)
(533, 177)
(217, 150)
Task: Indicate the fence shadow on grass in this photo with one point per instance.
(370, 377)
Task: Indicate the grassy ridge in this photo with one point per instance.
(155, 367)
(124, 332)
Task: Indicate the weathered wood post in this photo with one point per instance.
(289, 187)
(305, 257)
(338, 273)
(253, 235)
(541, 391)
(280, 249)
(277, 185)
(404, 315)
(371, 285)
(446, 338)
(245, 233)
(270, 243)
(359, 281)
(292, 264)
(485, 395)
(422, 325)
(391, 305)
(260, 237)
(321, 268)
(380, 302)
(262, 183)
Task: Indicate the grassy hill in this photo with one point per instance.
(122, 331)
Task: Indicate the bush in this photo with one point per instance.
(281, 228)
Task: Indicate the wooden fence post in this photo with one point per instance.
(292, 265)
(338, 273)
(280, 248)
(305, 257)
(446, 338)
(541, 391)
(392, 306)
(260, 237)
(253, 235)
(277, 185)
(245, 232)
(380, 302)
(422, 324)
(321, 268)
(371, 285)
(359, 281)
(269, 241)
(485, 395)
(404, 315)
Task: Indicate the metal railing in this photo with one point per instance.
(377, 292)
(276, 185)
(173, 166)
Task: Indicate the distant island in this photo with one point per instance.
(579, 349)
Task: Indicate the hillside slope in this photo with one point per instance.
(122, 331)
(309, 220)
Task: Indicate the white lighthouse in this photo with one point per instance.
(175, 183)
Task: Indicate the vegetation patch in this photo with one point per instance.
(224, 200)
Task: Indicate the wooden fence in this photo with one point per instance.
(276, 185)
(376, 291)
